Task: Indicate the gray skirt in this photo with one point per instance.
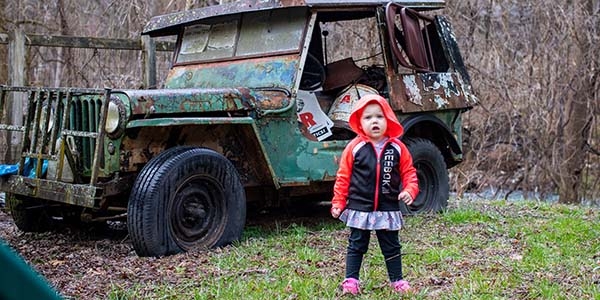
(373, 220)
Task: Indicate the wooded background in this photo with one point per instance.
(535, 66)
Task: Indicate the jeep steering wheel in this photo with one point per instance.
(313, 75)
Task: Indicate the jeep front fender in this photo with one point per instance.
(236, 138)
(432, 128)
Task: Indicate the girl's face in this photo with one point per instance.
(373, 122)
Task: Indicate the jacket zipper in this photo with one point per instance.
(378, 170)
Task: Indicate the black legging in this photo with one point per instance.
(358, 244)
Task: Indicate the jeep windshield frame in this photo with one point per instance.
(241, 36)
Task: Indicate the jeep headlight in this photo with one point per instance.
(115, 118)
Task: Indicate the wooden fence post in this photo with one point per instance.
(15, 106)
(16, 102)
(149, 62)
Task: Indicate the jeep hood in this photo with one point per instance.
(197, 100)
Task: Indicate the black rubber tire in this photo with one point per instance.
(29, 214)
(183, 199)
(434, 189)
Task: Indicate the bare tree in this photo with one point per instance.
(535, 68)
(580, 96)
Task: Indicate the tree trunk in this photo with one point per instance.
(579, 108)
(574, 151)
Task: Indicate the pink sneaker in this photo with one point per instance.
(401, 286)
(351, 286)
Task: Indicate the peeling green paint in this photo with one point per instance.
(260, 72)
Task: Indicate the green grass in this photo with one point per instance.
(475, 250)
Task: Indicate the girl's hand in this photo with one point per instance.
(405, 197)
(335, 212)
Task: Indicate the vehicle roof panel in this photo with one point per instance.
(169, 24)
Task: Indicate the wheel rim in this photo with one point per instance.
(198, 212)
(425, 175)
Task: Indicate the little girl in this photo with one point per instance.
(375, 173)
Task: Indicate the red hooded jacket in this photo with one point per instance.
(366, 181)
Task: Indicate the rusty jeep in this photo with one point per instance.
(253, 111)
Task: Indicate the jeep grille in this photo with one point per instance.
(45, 135)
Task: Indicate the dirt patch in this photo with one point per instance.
(87, 263)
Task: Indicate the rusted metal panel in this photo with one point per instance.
(148, 102)
(169, 24)
(235, 138)
(453, 53)
(451, 47)
(75, 194)
(279, 71)
(159, 122)
(155, 102)
(429, 92)
(296, 160)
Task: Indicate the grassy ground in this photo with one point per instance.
(476, 250)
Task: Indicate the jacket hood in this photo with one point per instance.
(394, 129)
